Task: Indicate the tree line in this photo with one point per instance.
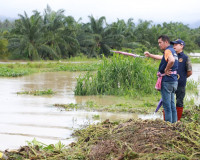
(56, 36)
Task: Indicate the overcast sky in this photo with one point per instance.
(185, 11)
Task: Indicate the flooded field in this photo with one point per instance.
(25, 117)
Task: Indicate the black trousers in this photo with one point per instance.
(180, 94)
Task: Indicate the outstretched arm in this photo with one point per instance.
(158, 57)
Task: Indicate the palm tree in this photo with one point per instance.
(3, 44)
(60, 33)
(97, 37)
(27, 36)
(125, 32)
(47, 38)
(71, 45)
(28, 39)
(89, 36)
(180, 31)
(142, 32)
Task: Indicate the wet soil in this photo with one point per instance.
(132, 139)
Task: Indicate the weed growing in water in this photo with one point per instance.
(120, 75)
(14, 72)
(18, 69)
(67, 106)
(195, 60)
(139, 106)
(192, 85)
(96, 116)
(38, 92)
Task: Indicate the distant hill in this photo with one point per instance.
(191, 25)
(3, 18)
(195, 24)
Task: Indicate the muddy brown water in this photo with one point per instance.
(25, 117)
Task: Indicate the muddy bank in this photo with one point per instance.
(120, 140)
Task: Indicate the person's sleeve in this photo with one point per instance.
(167, 54)
(188, 65)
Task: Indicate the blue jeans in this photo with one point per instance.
(167, 91)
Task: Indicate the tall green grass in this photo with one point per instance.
(192, 89)
(195, 60)
(192, 85)
(120, 75)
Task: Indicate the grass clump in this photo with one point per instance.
(78, 67)
(195, 60)
(38, 92)
(143, 106)
(192, 85)
(21, 69)
(67, 107)
(37, 150)
(15, 72)
(139, 139)
(97, 117)
(120, 75)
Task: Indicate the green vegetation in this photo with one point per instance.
(192, 85)
(58, 147)
(78, 67)
(192, 90)
(3, 46)
(143, 105)
(139, 140)
(38, 92)
(81, 57)
(15, 72)
(18, 69)
(196, 50)
(132, 139)
(195, 60)
(67, 107)
(6, 25)
(137, 105)
(96, 117)
(53, 36)
(120, 75)
(38, 149)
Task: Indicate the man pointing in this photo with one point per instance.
(168, 68)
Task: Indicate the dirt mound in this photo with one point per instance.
(139, 139)
(132, 139)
